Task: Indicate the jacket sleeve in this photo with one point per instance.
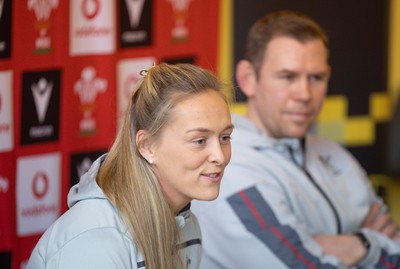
(384, 252)
(289, 240)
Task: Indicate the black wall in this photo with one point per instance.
(358, 34)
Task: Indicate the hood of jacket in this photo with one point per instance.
(87, 187)
(246, 134)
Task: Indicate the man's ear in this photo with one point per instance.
(246, 77)
(144, 145)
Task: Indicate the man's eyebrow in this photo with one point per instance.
(322, 73)
(286, 70)
(205, 130)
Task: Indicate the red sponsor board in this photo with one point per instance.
(84, 56)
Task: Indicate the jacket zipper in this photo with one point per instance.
(335, 212)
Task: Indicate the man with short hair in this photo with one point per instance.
(290, 199)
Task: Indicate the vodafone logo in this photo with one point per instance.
(90, 8)
(40, 185)
(92, 27)
(38, 192)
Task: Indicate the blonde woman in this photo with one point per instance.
(132, 208)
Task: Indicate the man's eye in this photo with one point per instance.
(287, 77)
(317, 78)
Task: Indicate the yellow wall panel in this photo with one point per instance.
(359, 130)
(225, 43)
(239, 108)
(334, 109)
(394, 52)
(380, 106)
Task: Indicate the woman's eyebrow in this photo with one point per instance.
(205, 130)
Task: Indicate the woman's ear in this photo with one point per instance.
(144, 145)
(246, 77)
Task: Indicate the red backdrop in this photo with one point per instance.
(66, 69)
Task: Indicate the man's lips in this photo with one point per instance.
(298, 115)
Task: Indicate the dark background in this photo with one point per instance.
(357, 32)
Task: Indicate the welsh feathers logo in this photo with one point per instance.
(180, 31)
(42, 10)
(87, 88)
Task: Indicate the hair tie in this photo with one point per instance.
(144, 72)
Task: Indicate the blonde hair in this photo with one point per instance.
(128, 180)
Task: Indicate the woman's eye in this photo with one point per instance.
(200, 141)
(226, 138)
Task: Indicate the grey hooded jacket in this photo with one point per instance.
(276, 195)
(91, 234)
